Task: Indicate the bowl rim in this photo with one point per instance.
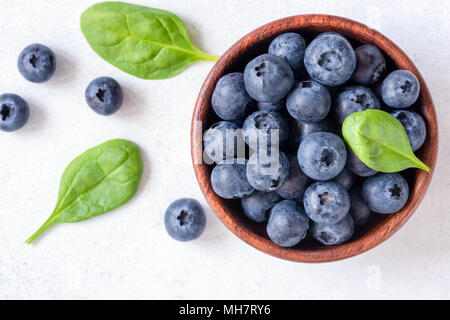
(378, 233)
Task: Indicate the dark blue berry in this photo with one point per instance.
(295, 185)
(326, 202)
(357, 166)
(287, 224)
(370, 64)
(268, 78)
(223, 141)
(267, 171)
(385, 193)
(185, 219)
(346, 178)
(229, 181)
(414, 126)
(333, 234)
(330, 59)
(359, 210)
(14, 112)
(257, 205)
(322, 156)
(300, 129)
(265, 129)
(309, 101)
(37, 63)
(291, 47)
(104, 95)
(354, 99)
(230, 99)
(400, 89)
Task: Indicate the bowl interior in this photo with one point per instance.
(230, 211)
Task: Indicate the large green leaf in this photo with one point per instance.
(98, 181)
(145, 42)
(380, 141)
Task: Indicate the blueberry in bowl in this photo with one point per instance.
(350, 218)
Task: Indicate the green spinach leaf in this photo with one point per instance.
(145, 42)
(380, 141)
(98, 181)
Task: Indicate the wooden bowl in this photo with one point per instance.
(230, 212)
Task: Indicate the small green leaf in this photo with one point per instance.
(380, 141)
(100, 180)
(145, 42)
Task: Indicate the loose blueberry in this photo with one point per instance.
(326, 202)
(290, 47)
(223, 141)
(295, 185)
(359, 210)
(414, 126)
(229, 181)
(271, 106)
(385, 193)
(370, 65)
(287, 224)
(309, 101)
(230, 99)
(185, 219)
(333, 234)
(257, 205)
(330, 59)
(300, 129)
(104, 95)
(267, 171)
(346, 178)
(36, 63)
(14, 112)
(268, 78)
(357, 166)
(400, 89)
(265, 129)
(354, 99)
(322, 156)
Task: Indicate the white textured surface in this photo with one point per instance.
(127, 254)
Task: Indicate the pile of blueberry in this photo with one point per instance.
(37, 64)
(287, 107)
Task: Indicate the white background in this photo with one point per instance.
(127, 253)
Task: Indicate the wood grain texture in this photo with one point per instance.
(230, 213)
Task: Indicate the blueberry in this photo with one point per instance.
(300, 129)
(265, 129)
(400, 89)
(223, 141)
(309, 101)
(271, 106)
(295, 185)
(414, 126)
(322, 156)
(230, 99)
(330, 59)
(228, 179)
(14, 112)
(37, 63)
(267, 171)
(257, 205)
(346, 178)
(385, 193)
(104, 95)
(287, 224)
(370, 64)
(357, 166)
(359, 210)
(291, 47)
(353, 99)
(268, 78)
(326, 202)
(333, 234)
(185, 219)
